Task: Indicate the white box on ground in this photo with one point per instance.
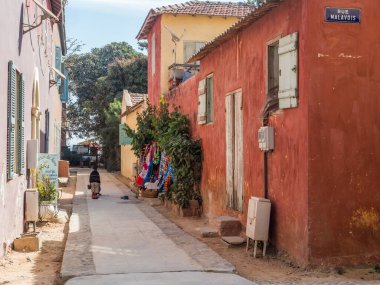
(31, 205)
(258, 221)
(258, 218)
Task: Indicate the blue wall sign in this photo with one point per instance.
(342, 15)
(50, 163)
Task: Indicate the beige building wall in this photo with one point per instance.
(188, 28)
(128, 158)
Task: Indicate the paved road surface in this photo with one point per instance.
(112, 241)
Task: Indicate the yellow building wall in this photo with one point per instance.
(191, 28)
(128, 158)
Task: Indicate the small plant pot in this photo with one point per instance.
(175, 208)
(185, 212)
(150, 193)
(47, 211)
(195, 208)
(194, 204)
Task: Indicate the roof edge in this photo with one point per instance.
(139, 35)
(239, 26)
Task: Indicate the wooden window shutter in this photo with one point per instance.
(21, 127)
(202, 116)
(124, 139)
(58, 63)
(288, 65)
(210, 99)
(64, 88)
(12, 89)
(188, 50)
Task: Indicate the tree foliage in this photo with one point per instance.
(256, 2)
(98, 78)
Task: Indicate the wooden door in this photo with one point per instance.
(234, 151)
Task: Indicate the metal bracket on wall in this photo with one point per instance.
(32, 27)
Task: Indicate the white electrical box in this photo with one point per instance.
(266, 138)
(32, 154)
(258, 219)
(31, 205)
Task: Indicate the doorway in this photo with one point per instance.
(234, 150)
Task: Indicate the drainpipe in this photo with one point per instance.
(265, 153)
(265, 174)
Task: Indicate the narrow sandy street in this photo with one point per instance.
(112, 241)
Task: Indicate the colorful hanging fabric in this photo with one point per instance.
(168, 174)
(163, 166)
(149, 163)
(140, 180)
(156, 154)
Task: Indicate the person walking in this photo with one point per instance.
(95, 183)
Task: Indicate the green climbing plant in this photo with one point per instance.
(171, 131)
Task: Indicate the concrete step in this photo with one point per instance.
(208, 232)
(227, 226)
(233, 241)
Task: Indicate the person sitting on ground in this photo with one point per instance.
(95, 183)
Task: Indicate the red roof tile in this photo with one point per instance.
(207, 8)
(233, 30)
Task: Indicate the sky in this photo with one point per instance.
(96, 23)
(99, 22)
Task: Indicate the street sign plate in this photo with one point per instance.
(343, 15)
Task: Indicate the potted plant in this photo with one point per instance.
(47, 192)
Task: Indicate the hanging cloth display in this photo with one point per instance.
(145, 171)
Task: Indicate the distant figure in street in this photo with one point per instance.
(95, 183)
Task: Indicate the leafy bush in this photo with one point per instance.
(46, 189)
(171, 131)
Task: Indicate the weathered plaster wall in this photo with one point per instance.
(344, 157)
(242, 63)
(154, 80)
(55, 104)
(27, 53)
(128, 158)
(188, 28)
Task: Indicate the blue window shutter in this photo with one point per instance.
(12, 89)
(123, 137)
(58, 62)
(21, 127)
(64, 90)
(121, 131)
(47, 130)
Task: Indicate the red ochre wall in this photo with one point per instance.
(323, 175)
(241, 63)
(344, 140)
(154, 81)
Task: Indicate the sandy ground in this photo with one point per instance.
(272, 268)
(42, 267)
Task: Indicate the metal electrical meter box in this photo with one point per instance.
(266, 138)
(258, 217)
